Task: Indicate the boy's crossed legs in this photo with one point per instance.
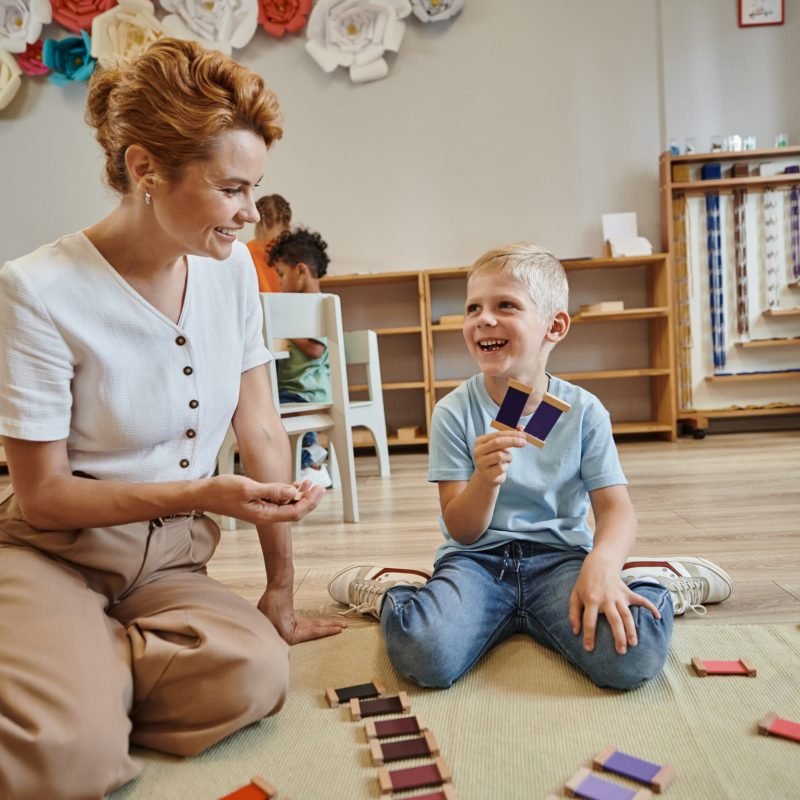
(436, 632)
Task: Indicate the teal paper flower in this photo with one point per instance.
(70, 58)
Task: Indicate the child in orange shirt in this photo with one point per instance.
(276, 216)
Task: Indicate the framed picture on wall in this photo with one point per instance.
(755, 13)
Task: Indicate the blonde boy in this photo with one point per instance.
(519, 554)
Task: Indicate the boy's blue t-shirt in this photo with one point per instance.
(545, 497)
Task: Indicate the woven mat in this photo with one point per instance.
(520, 724)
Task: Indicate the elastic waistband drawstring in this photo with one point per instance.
(510, 560)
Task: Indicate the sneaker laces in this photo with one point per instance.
(365, 598)
(689, 594)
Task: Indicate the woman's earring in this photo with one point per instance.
(147, 198)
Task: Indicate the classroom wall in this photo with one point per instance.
(722, 79)
(520, 119)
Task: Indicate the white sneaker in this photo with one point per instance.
(317, 452)
(692, 581)
(318, 476)
(362, 587)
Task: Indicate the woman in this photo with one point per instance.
(127, 350)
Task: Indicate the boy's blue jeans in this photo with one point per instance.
(475, 600)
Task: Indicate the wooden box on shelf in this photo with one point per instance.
(451, 319)
(604, 307)
(409, 433)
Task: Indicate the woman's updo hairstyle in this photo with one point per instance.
(175, 99)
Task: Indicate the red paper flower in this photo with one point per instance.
(277, 17)
(77, 15)
(30, 62)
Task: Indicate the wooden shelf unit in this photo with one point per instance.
(415, 320)
(660, 370)
(669, 191)
(406, 290)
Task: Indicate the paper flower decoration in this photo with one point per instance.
(70, 59)
(278, 17)
(436, 10)
(356, 34)
(21, 23)
(77, 15)
(215, 24)
(10, 80)
(125, 31)
(30, 62)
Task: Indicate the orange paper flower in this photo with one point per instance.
(278, 17)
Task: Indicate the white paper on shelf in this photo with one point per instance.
(620, 226)
(630, 246)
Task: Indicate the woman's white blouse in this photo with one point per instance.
(84, 357)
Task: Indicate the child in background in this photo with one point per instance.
(300, 260)
(275, 216)
(519, 554)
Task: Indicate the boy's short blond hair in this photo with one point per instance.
(538, 269)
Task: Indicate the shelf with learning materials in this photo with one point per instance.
(633, 347)
(731, 223)
(625, 357)
(393, 305)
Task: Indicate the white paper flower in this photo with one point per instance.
(10, 80)
(125, 31)
(356, 34)
(436, 10)
(215, 24)
(21, 23)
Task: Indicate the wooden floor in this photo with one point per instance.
(731, 498)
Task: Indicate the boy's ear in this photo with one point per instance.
(558, 327)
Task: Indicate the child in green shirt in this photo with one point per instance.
(304, 377)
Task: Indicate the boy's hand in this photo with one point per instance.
(600, 589)
(493, 454)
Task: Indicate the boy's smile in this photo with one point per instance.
(489, 345)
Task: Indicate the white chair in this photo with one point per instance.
(300, 316)
(361, 348)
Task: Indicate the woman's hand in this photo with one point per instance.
(600, 590)
(258, 503)
(277, 606)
